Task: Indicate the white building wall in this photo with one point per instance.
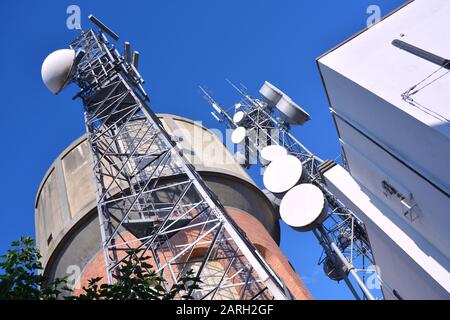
(407, 265)
(387, 139)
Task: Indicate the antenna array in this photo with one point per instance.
(346, 252)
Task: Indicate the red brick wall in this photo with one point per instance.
(257, 235)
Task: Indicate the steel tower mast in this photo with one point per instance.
(346, 253)
(132, 157)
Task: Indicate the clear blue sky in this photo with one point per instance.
(182, 44)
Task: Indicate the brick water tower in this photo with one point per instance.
(160, 183)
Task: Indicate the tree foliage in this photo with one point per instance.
(21, 278)
(136, 279)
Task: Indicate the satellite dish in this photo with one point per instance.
(238, 117)
(332, 270)
(56, 69)
(291, 112)
(238, 135)
(273, 152)
(282, 174)
(304, 207)
(271, 93)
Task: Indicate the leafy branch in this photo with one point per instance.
(21, 278)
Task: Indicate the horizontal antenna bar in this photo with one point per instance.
(103, 27)
(445, 63)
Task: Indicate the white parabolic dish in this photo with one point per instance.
(238, 135)
(56, 69)
(273, 152)
(238, 117)
(271, 93)
(304, 207)
(291, 111)
(282, 174)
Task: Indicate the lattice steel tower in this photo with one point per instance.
(138, 207)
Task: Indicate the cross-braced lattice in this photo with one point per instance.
(151, 202)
